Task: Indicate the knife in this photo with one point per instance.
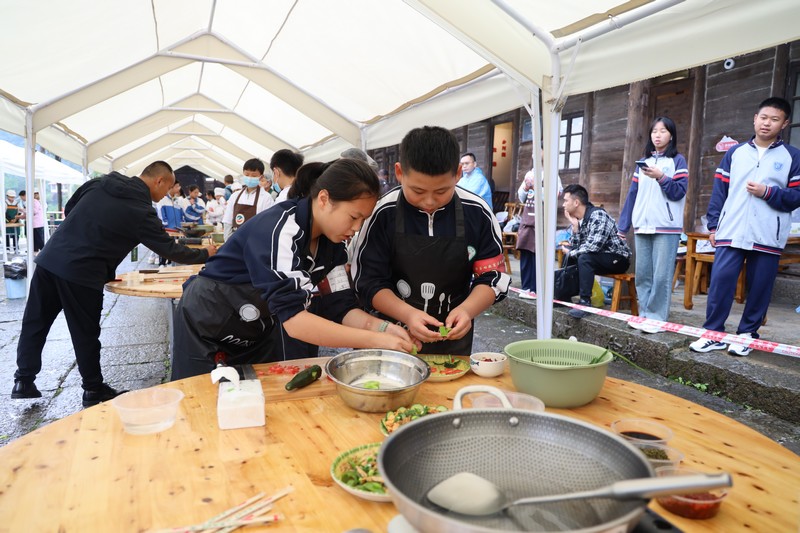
(247, 372)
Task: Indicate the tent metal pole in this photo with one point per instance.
(3, 220)
(30, 172)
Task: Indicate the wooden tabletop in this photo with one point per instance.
(84, 470)
(167, 283)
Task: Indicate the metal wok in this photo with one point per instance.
(524, 453)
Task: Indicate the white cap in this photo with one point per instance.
(235, 186)
(35, 191)
(219, 191)
(11, 192)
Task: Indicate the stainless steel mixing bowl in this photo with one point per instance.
(398, 373)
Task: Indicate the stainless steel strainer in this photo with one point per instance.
(524, 453)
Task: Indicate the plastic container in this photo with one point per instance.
(641, 431)
(148, 410)
(15, 288)
(562, 373)
(488, 364)
(659, 455)
(698, 506)
(519, 400)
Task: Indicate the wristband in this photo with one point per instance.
(383, 326)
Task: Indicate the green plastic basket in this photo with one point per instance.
(557, 371)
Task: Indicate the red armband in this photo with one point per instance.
(487, 265)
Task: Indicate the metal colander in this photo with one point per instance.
(524, 453)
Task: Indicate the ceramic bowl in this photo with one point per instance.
(488, 364)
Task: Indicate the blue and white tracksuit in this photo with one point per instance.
(170, 212)
(655, 209)
(751, 228)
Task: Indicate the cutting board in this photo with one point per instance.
(274, 385)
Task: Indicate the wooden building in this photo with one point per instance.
(604, 132)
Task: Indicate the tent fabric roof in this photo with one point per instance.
(213, 82)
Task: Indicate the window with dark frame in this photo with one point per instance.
(793, 130)
(570, 141)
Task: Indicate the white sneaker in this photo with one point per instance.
(740, 350)
(527, 295)
(649, 328)
(706, 345)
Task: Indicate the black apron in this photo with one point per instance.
(216, 317)
(433, 274)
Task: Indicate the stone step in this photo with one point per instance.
(763, 381)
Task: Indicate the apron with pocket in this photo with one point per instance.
(433, 274)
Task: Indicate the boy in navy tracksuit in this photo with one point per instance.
(756, 187)
(430, 254)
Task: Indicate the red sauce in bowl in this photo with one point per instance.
(698, 506)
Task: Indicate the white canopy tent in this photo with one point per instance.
(243, 78)
(12, 161)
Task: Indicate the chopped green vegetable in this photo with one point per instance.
(404, 415)
(597, 359)
(414, 350)
(453, 363)
(362, 473)
(444, 330)
(372, 385)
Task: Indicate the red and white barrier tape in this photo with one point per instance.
(718, 336)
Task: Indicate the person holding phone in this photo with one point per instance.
(654, 208)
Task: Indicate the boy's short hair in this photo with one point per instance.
(430, 150)
(777, 103)
(193, 188)
(472, 156)
(578, 192)
(254, 164)
(289, 162)
(228, 179)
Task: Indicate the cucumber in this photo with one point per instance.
(304, 378)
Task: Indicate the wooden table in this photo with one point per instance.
(167, 284)
(692, 257)
(83, 473)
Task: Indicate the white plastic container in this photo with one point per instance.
(240, 405)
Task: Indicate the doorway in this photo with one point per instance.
(502, 157)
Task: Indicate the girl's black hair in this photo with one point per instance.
(672, 147)
(344, 179)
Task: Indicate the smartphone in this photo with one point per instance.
(641, 163)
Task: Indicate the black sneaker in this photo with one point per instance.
(25, 390)
(578, 313)
(101, 394)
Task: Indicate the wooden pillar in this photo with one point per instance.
(696, 178)
(635, 133)
(586, 147)
(779, 70)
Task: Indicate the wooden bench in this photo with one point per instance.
(616, 291)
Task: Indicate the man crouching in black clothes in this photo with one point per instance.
(104, 220)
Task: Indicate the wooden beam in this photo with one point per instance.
(635, 133)
(586, 146)
(690, 213)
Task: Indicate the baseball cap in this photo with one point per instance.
(361, 155)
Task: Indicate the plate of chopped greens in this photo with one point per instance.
(356, 471)
(403, 415)
(446, 367)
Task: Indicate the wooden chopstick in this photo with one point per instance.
(233, 524)
(247, 513)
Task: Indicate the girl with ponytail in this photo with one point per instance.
(265, 275)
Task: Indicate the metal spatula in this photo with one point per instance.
(470, 494)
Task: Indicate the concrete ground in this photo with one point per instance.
(136, 355)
